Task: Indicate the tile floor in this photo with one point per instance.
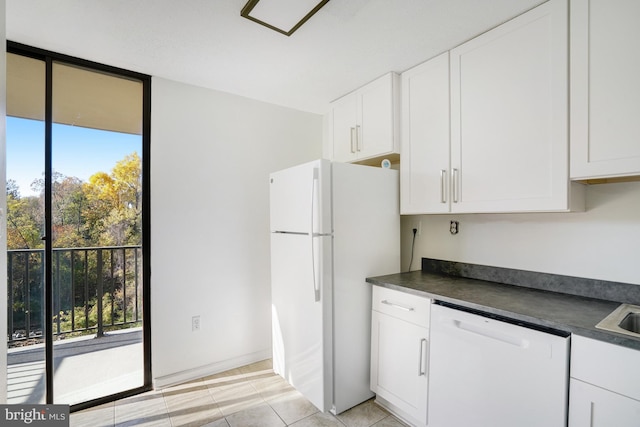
(248, 396)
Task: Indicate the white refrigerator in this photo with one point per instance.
(332, 225)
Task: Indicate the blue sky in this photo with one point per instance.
(77, 151)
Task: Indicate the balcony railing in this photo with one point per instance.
(94, 290)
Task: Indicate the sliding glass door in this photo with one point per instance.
(26, 376)
(79, 161)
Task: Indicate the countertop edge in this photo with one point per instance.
(416, 283)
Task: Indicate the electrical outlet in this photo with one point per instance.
(195, 323)
(454, 227)
(416, 225)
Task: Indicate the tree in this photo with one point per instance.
(24, 220)
(12, 189)
(113, 204)
(105, 211)
(67, 201)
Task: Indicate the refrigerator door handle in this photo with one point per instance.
(314, 197)
(316, 287)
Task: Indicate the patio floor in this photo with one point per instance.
(84, 368)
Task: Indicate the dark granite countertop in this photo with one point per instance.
(543, 307)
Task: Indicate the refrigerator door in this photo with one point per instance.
(301, 314)
(301, 199)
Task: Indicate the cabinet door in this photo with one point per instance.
(509, 115)
(399, 364)
(606, 365)
(344, 128)
(596, 407)
(377, 117)
(605, 88)
(424, 168)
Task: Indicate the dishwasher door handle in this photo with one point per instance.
(489, 332)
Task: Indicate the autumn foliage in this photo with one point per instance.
(104, 211)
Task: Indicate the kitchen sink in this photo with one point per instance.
(631, 322)
(625, 320)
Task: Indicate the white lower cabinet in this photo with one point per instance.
(604, 382)
(399, 353)
(591, 406)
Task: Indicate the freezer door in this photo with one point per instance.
(300, 198)
(301, 314)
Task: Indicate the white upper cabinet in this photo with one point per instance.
(344, 113)
(485, 126)
(605, 88)
(424, 169)
(365, 122)
(509, 116)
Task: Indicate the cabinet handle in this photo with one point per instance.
(353, 150)
(401, 307)
(422, 369)
(454, 184)
(443, 186)
(358, 146)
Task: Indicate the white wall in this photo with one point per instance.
(601, 243)
(3, 205)
(211, 154)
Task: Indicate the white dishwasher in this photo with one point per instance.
(486, 372)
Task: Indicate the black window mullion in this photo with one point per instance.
(48, 187)
(146, 225)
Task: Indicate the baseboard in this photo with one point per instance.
(397, 412)
(210, 369)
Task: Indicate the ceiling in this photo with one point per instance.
(81, 97)
(207, 43)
